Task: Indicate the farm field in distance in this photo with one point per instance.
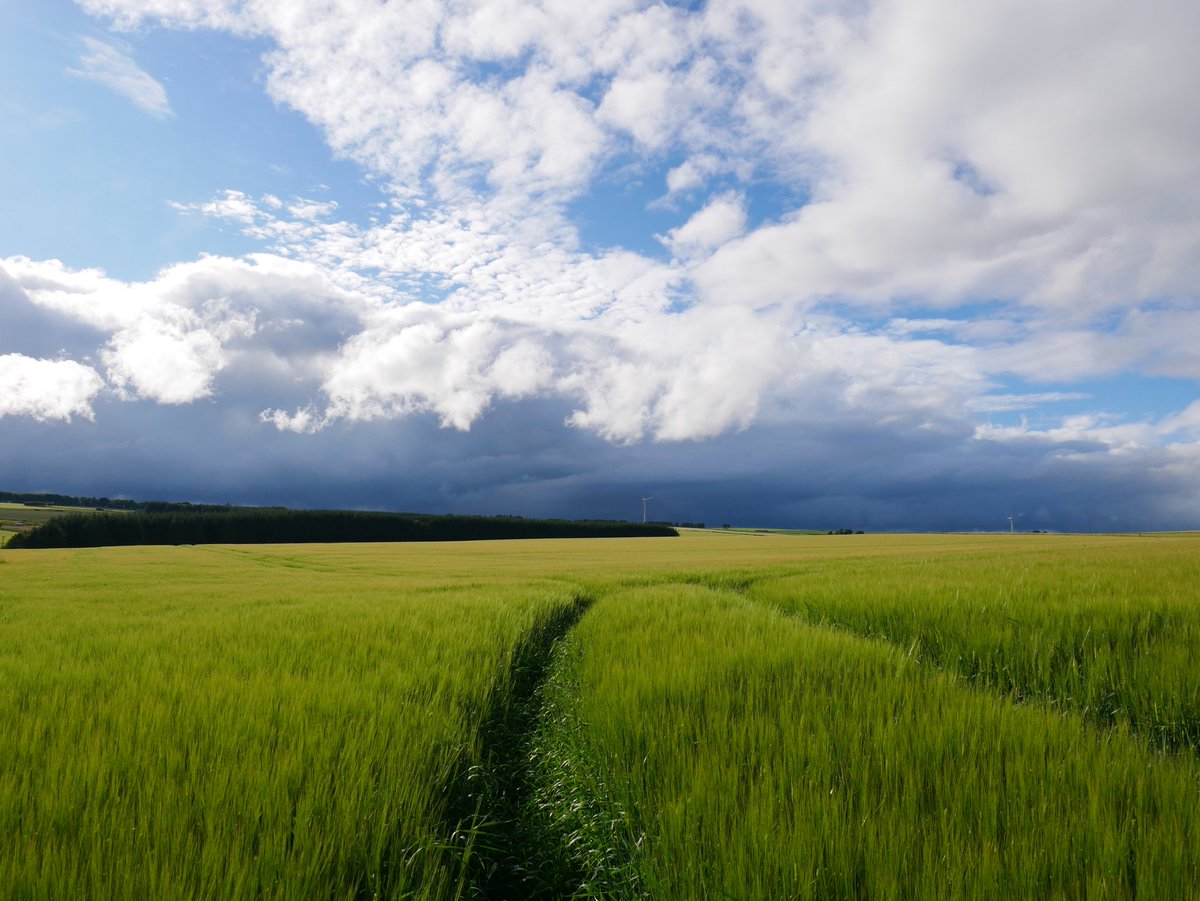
(17, 517)
(716, 715)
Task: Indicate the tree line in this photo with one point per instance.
(43, 499)
(188, 524)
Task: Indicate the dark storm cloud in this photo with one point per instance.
(522, 461)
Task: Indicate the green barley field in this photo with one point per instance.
(714, 716)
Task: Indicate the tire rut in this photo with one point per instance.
(507, 858)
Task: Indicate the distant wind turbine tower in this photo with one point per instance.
(644, 500)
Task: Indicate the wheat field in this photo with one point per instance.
(711, 716)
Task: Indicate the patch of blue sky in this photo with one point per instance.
(217, 84)
(1137, 396)
(628, 205)
(956, 322)
(680, 300)
(595, 88)
(618, 199)
(768, 202)
(1124, 398)
(1128, 396)
(496, 71)
(966, 174)
(1012, 402)
(111, 206)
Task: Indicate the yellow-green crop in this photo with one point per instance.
(728, 715)
(698, 745)
(212, 723)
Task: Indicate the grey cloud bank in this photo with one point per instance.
(522, 461)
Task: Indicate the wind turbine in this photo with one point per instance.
(644, 507)
(1012, 517)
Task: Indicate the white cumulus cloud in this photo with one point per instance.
(724, 218)
(47, 389)
(914, 160)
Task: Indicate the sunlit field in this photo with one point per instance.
(15, 517)
(711, 716)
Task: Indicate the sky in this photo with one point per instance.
(869, 264)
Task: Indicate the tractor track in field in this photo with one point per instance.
(508, 859)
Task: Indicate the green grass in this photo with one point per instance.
(200, 723)
(1110, 630)
(697, 717)
(762, 757)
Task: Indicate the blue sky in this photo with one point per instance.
(882, 265)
